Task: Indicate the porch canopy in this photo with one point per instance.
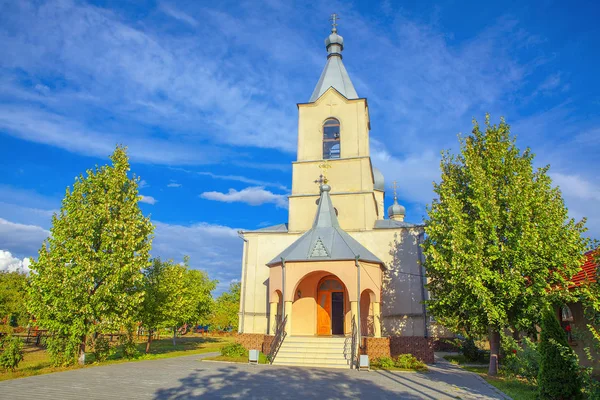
(325, 251)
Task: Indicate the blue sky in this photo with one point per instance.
(204, 95)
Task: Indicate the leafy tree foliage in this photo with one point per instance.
(558, 377)
(88, 274)
(499, 241)
(226, 308)
(13, 294)
(175, 295)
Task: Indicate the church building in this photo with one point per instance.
(340, 266)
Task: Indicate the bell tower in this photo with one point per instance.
(334, 126)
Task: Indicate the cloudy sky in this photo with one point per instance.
(204, 95)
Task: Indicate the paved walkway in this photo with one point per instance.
(188, 378)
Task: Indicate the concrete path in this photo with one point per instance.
(189, 378)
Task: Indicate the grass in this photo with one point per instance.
(262, 359)
(376, 368)
(518, 389)
(36, 360)
(459, 359)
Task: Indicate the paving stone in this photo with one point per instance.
(190, 378)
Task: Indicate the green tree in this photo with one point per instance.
(88, 273)
(153, 310)
(175, 295)
(226, 308)
(499, 242)
(558, 377)
(13, 295)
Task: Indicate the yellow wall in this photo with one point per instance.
(350, 176)
(261, 248)
(359, 206)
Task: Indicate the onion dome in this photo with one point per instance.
(378, 180)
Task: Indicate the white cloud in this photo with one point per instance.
(253, 196)
(582, 197)
(177, 14)
(174, 185)
(415, 173)
(21, 239)
(243, 179)
(216, 249)
(8, 263)
(146, 78)
(142, 184)
(148, 200)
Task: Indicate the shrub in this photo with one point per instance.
(408, 361)
(63, 350)
(383, 363)
(558, 376)
(233, 350)
(12, 353)
(522, 361)
(128, 345)
(470, 351)
(101, 349)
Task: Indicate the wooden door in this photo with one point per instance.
(324, 313)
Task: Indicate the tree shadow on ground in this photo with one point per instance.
(449, 376)
(283, 383)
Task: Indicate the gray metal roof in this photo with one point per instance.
(325, 241)
(273, 228)
(334, 75)
(378, 180)
(391, 224)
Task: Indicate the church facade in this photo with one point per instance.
(339, 264)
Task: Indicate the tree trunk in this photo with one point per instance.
(494, 350)
(515, 334)
(174, 335)
(81, 359)
(149, 341)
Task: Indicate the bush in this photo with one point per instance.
(128, 345)
(470, 351)
(101, 349)
(63, 350)
(12, 353)
(233, 350)
(522, 361)
(383, 363)
(558, 376)
(408, 361)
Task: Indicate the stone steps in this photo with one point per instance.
(313, 351)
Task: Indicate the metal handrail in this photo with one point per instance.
(280, 335)
(354, 346)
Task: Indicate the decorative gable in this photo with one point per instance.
(319, 250)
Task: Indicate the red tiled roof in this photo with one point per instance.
(587, 273)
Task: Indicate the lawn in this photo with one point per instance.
(459, 359)
(36, 360)
(518, 389)
(262, 359)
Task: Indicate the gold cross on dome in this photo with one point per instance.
(333, 18)
(322, 180)
(395, 186)
(324, 166)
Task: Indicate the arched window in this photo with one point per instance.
(331, 138)
(331, 284)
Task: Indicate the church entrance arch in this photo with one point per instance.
(331, 302)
